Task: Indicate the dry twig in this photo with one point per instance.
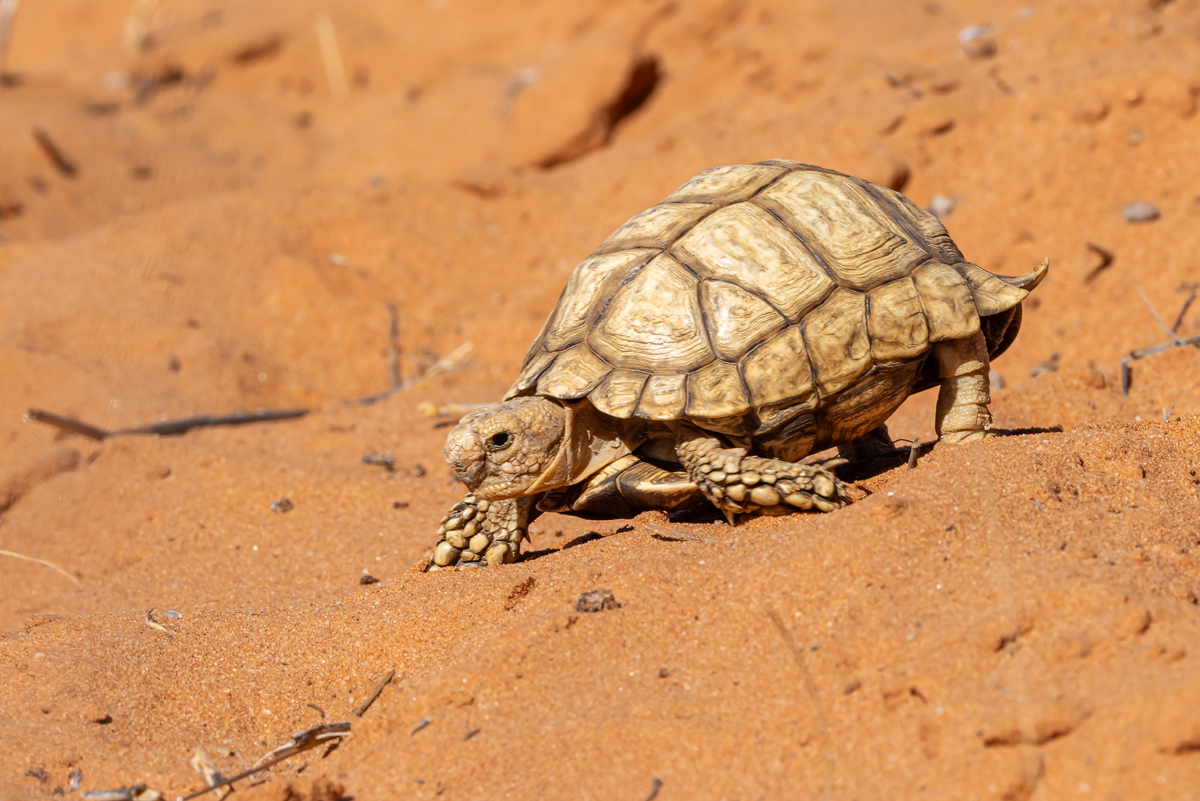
(448, 409)
(53, 152)
(50, 565)
(301, 741)
(154, 624)
(8, 13)
(1183, 310)
(331, 56)
(1170, 331)
(181, 426)
(811, 687)
(137, 25)
(208, 771)
(913, 452)
(370, 699)
(1128, 359)
(394, 345)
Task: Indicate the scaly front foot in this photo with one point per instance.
(739, 484)
(475, 533)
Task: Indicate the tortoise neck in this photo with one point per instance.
(591, 441)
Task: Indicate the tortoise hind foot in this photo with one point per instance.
(739, 484)
(872, 445)
(476, 533)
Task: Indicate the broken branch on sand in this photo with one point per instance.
(162, 429)
(50, 565)
(53, 152)
(171, 427)
(8, 13)
(1128, 359)
(301, 741)
(371, 696)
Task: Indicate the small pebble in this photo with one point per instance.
(940, 206)
(282, 506)
(174, 614)
(1140, 211)
(367, 579)
(382, 459)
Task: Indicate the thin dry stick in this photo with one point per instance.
(370, 699)
(50, 565)
(166, 428)
(1183, 311)
(394, 345)
(137, 25)
(186, 424)
(1127, 359)
(442, 365)
(57, 157)
(1170, 332)
(8, 13)
(331, 55)
(914, 452)
(811, 687)
(301, 741)
(448, 409)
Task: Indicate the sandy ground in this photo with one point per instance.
(230, 217)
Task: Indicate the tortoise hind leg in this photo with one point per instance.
(739, 484)
(962, 407)
(875, 443)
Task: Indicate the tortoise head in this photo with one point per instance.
(501, 451)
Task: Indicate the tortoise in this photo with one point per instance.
(760, 313)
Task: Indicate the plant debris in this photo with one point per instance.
(596, 601)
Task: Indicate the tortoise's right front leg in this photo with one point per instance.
(736, 483)
(476, 532)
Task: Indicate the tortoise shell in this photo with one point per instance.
(756, 292)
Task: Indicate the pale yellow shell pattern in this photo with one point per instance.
(755, 292)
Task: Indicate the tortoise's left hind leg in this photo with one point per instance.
(962, 407)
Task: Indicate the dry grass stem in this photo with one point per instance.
(394, 345)
(448, 409)
(811, 687)
(370, 699)
(137, 25)
(203, 765)
(301, 741)
(1183, 310)
(154, 624)
(50, 565)
(913, 452)
(1170, 331)
(331, 55)
(8, 13)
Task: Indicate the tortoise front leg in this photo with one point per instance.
(736, 483)
(962, 407)
(625, 488)
(476, 532)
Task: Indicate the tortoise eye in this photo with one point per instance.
(500, 440)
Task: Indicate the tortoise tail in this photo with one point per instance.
(996, 294)
(1031, 279)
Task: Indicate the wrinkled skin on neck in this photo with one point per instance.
(500, 451)
(529, 445)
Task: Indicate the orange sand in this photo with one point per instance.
(1016, 619)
